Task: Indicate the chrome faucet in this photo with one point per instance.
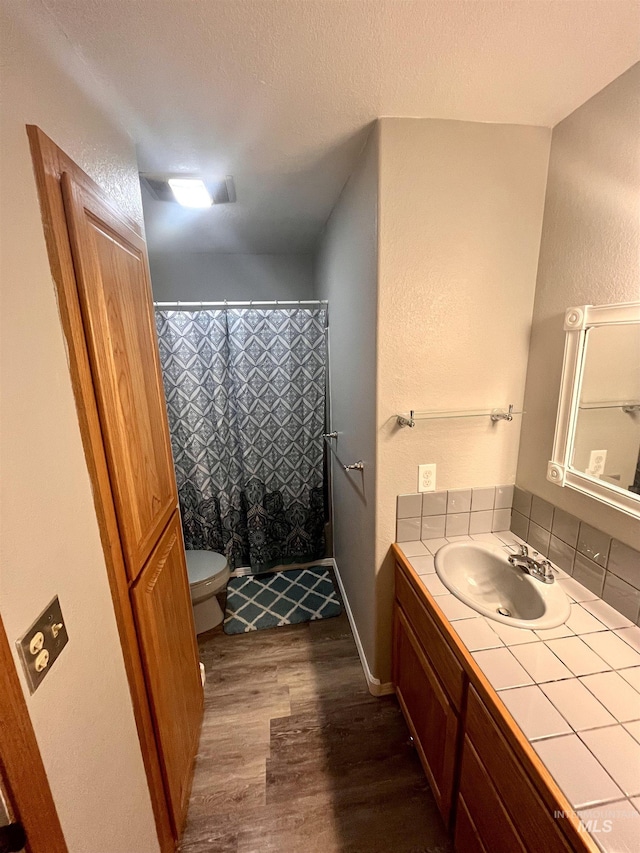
(533, 564)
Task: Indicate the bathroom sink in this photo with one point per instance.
(481, 576)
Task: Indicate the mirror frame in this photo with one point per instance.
(576, 323)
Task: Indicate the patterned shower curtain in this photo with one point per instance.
(245, 393)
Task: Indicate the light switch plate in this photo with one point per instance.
(40, 646)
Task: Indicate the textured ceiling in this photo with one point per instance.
(281, 93)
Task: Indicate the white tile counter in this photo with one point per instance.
(574, 691)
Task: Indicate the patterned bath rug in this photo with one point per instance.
(255, 602)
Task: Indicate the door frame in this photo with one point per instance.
(49, 163)
(23, 772)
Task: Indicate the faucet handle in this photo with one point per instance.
(545, 569)
(524, 551)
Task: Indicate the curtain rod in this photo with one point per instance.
(252, 303)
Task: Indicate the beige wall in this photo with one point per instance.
(460, 219)
(49, 541)
(346, 275)
(590, 254)
(195, 276)
(460, 213)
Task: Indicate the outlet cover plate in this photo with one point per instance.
(597, 461)
(427, 477)
(51, 624)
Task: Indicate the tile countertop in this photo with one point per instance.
(574, 691)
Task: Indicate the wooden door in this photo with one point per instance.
(430, 715)
(50, 163)
(117, 310)
(162, 608)
(12, 833)
(113, 286)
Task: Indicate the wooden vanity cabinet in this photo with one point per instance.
(492, 790)
(481, 815)
(467, 837)
(431, 717)
(493, 781)
(430, 686)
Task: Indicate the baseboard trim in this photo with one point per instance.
(242, 571)
(376, 687)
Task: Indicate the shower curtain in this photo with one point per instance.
(245, 392)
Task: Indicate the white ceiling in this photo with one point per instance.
(281, 93)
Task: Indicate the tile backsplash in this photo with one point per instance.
(457, 512)
(607, 567)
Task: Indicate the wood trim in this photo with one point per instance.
(543, 781)
(49, 163)
(21, 766)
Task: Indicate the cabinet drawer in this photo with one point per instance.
(537, 828)
(431, 638)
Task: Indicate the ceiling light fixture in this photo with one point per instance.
(190, 192)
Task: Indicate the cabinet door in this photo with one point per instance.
(484, 807)
(466, 839)
(164, 619)
(117, 311)
(416, 608)
(431, 717)
(493, 781)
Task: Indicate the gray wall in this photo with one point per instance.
(347, 276)
(195, 276)
(590, 254)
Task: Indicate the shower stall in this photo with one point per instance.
(246, 386)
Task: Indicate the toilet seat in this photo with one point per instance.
(208, 573)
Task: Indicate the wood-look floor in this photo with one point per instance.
(297, 757)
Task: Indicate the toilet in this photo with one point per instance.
(208, 574)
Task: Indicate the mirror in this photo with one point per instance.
(597, 441)
(607, 434)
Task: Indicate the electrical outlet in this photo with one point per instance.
(40, 646)
(427, 477)
(597, 460)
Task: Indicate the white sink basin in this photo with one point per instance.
(480, 575)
